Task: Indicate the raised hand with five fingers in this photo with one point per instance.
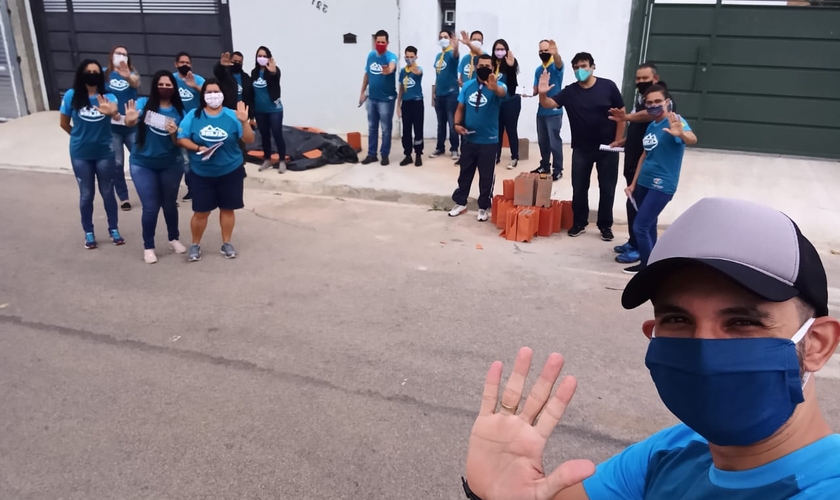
(552, 48)
(465, 37)
(492, 82)
(106, 107)
(131, 113)
(242, 112)
(271, 66)
(544, 87)
(675, 126)
(618, 115)
(505, 456)
(509, 59)
(124, 70)
(225, 60)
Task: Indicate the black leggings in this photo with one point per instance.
(271, 124)
(508, 121)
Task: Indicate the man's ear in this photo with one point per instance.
(821, 343)
(647, 328)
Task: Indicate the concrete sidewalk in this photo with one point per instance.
(802, 188)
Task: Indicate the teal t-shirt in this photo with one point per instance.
(481, 112)
(90, 138)
(675, 464)
(661, 168)
(262, 101)
(189, 96)
(446, 74)
(466, 68)
(381, 87)
(124, 92)
(158, 152)
(556, 79)
(206, 130)
(238, 78)
(412, 85)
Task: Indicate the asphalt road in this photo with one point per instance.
(340, 356)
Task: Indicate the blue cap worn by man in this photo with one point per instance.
(740, 301)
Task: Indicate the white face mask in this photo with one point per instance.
(119, 59)
(444, 42)
(214, 99)
(476, 44)
(262, 61)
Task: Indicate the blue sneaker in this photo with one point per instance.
(116, 238)
(90, 241)
(624, 248)
(628, 257)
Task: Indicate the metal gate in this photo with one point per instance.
(153, 31)
(12, 101)
(761, 77)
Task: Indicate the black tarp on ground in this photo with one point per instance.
(334, 149)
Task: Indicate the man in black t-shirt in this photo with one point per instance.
(646, 75)
(587, 104)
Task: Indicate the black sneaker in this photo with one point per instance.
(633, 269)
(556, 176)
(498, 160)
(188, 196)
(540, 170)
(126, 206)
(368, 160)
(406, 161)
(384, 161)
(418, 162)
(607, 234)
(577, 231)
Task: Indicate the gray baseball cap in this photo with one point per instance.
(757, 246)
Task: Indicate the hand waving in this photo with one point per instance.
(190, 79)
(552, 47)
(241, 112)
(271, 66)
(509, 59)
(465, 38)
(131, 114)
(544, 87)
(123, 70)
(225, 60)
(505, 456)
(104, 106)
(618, 115)
(675, 125)
(492, 82)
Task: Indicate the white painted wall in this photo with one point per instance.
(596, 26)
(321, 75)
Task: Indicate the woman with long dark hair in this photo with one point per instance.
(211, 136)
(156, 162)
(506, 68)
(268, 109)
(85, 114)
(122, 80)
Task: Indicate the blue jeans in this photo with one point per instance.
(380, 113)
(87, 172)
(271, 125)
(548, 137)
(651, 203)
(158, 189)
(118, 141)
(445, 106)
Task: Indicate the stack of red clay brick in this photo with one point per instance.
(526, 209)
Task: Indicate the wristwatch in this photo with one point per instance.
(468, 491)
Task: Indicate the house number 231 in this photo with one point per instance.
(320, 5)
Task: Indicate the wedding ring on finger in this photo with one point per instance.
(511, 409)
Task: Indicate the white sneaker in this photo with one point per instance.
(482, 215)
(266, 164)
(457, 210)
(512, 164)
(282, 167)
(177, 246)
(455, 156)
(149, 256)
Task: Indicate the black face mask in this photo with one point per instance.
(483, 73)
(643, 87)
(92, 79)
(237, 67)
(184, 69)
(545, 56)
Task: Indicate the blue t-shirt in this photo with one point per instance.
(556, 79)
(238, 78)
(484, 120)
(466, 68)
(124, 92)
(90, 138)
(158, 151)
(446, 74)
(189, 96)
(412, 85)
(675, 464)
(661, 168)
(207, 130)
(381, 87)
(262, 101)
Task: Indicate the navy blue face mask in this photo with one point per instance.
(733, 392)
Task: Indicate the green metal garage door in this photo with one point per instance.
(762, 78)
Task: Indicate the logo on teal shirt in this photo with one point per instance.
(186, 95)
(650, 142)
(118, 84)
(213, 134)
(375, 69)
(474, 97)
(260, 83)
(90, 114)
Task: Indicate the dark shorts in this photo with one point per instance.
(224, 192)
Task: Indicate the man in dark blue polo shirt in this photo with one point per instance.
(587, 105)
(477, 121)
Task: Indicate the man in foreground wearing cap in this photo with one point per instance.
(740, 301)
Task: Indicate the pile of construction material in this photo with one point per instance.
(526, 209)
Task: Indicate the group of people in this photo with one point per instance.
(188, 126)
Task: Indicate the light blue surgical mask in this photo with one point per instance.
(582, 74)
